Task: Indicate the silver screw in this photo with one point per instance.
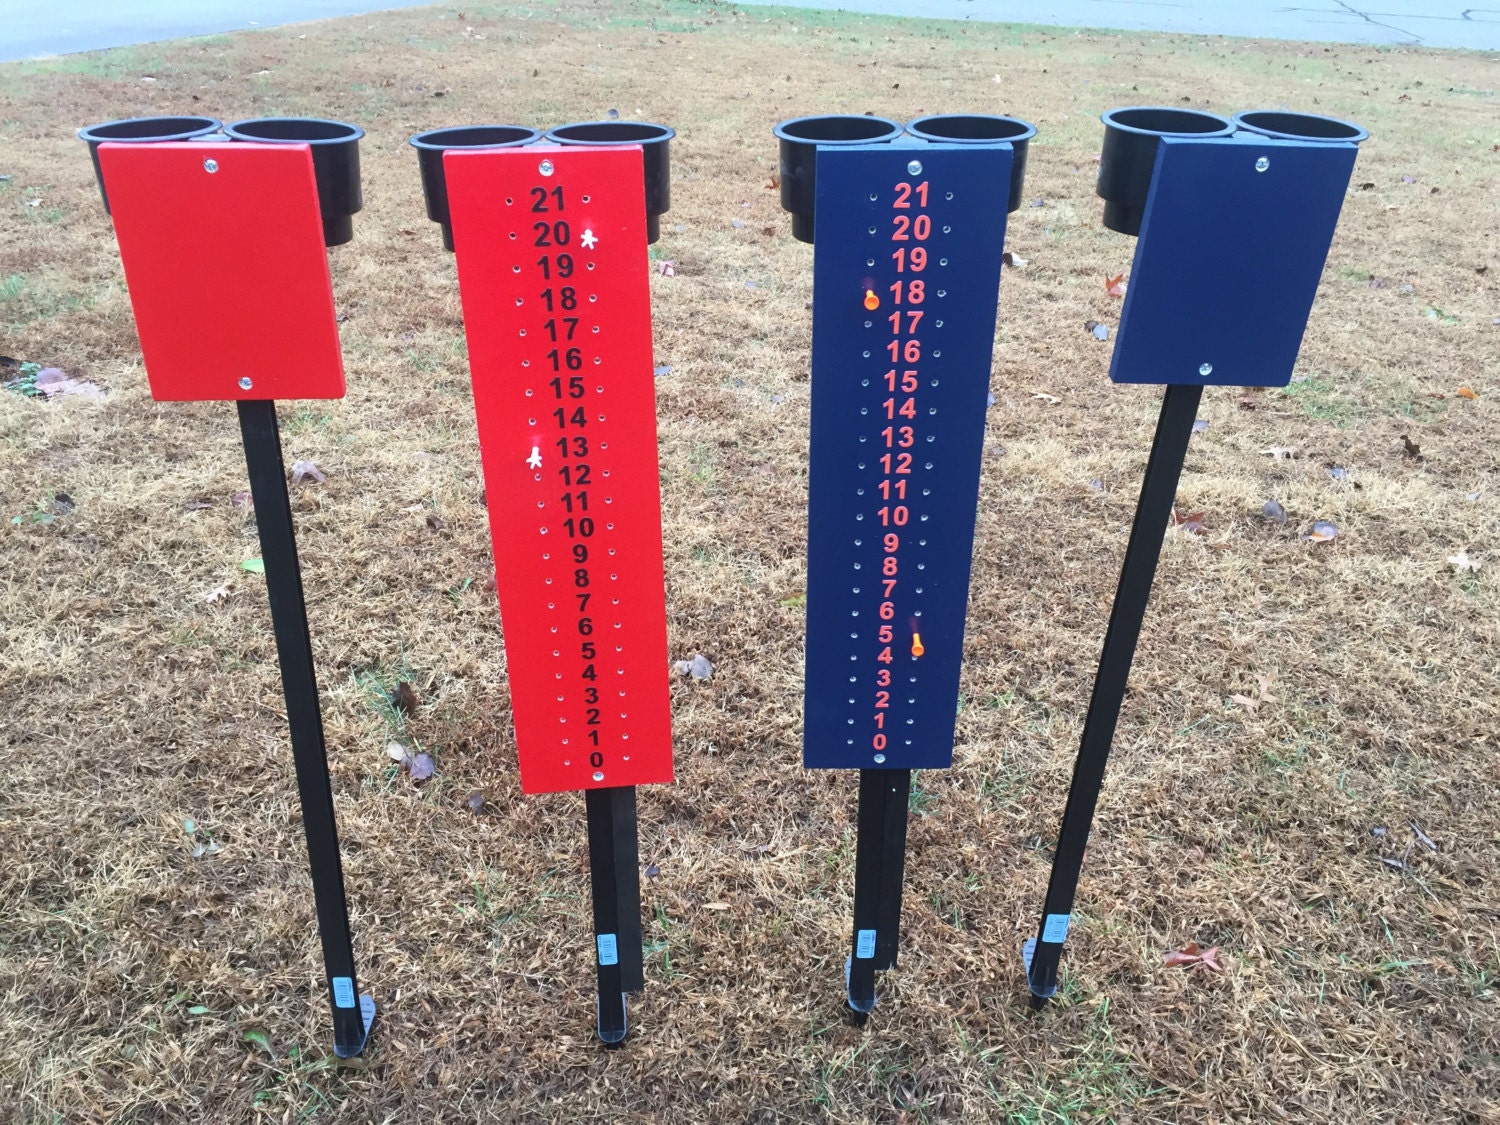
(545, 167)
(210, 166)
(1262, 164)
(598, 775)
(879, 758)
(915, 167)
(245, 383)
(1205, 369)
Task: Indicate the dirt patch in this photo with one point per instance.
(140, 983)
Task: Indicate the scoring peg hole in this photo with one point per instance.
(600, 391)
(537, 477)
(869, 324)
(556, 653)
(869, 261)
(942, 292)
(849, 742)
(531, 421)
(624, 757)
(948, 196)
(593, 297)
(601, 417)
(928, 465)
(879, 758)
(515, 269)
(512, 236)
(509, 202)
(526, 363)
(596, 330)
(591, 265)
(520, 301)
(523, 332)
(528, 392)
(597, 361)
(942, 261)
(586, 199)
(940, 324)
(554, 628)
(546, 556)
(544, 531)
(598, 775)
(872, 231)
(864, 382)
(873, 198)
(609, 527)
(859, 515)
(541, 503)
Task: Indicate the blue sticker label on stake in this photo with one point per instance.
(864, 944)
(609, 949)
(343, 992)
(1055, 929)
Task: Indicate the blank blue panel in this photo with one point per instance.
(896, 443)
(1228, 260)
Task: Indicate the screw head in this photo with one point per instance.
(915, 167)
(245, 383)
(598, 775)
(879, 758)
(1205, 369)
(1262, 164)
(545, 167)
(210, 166)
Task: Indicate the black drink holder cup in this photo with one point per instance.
(335, 155)
(430, 147)
(143, 130)
(797, 142)
(655, 141)
(982, 129)
(1216, 215)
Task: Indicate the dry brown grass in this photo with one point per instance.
(1354, 991)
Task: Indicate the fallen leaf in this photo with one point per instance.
(768, 231)
(797, 599)
(1465, 392)
(1426, 840)
(240, 499)
(435, 522)
(1192, 956)
(715, 906)
(667, 267)
(1272, 510)
(197, 505)
(774, 182)
(1322, 532)
(260, 1037)
(698, 667)
(216, 595)
(422, 767)
(1461, 562)
(1014, 261)
(1045, 397)
(302, 470)
(1411, 448)
(475, 802)
(1200, 425)
(653, 871)
(1337, 472)
(1115, 286)
(1192, 523)
(396, 751)
(404, 699)
(662, 369)
(1392, 861)
(254, 566)
(1246, 702)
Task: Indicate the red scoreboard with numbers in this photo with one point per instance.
(552, 269)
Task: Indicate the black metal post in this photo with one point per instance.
(1174, 427)
(352, 1012)
(615, 879)
(879, 864)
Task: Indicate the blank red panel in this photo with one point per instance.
(228, 275)
(552, 267)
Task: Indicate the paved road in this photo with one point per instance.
(1426, 23)
(31, 28)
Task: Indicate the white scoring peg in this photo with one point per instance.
(589, 239)
(535, 460)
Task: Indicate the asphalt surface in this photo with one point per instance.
(36, 28)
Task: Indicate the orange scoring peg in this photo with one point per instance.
(872, 302)
(916, 644)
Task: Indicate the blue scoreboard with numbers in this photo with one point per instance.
(906, 279)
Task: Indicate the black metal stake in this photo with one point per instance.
(352, 1012)
(879, 863)
(615, 879)
(1174, 427)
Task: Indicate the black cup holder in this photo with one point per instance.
(432, 144)
(655, 142)
(335, 154)
(1131, 138)
(799, 139)
(143, 130)
(982, 128)
(1286, 126)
